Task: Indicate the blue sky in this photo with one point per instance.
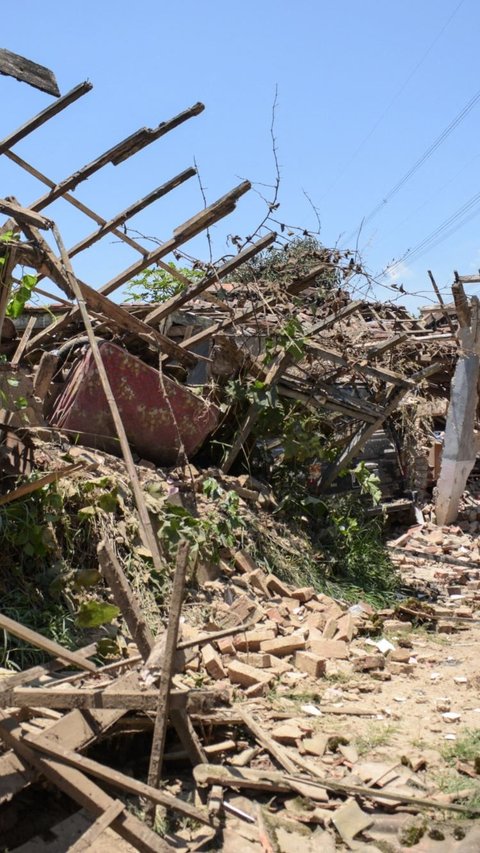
(364, 88)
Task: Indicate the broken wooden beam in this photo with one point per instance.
(117, 154)
(164, 694)
(26, 71)
(117, 779)
(87, 698)
(125, 599)
(34, 485)
(81, 789)
(98, 827)
(131, 211)
(40, 642)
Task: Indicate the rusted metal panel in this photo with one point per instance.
(159, 415)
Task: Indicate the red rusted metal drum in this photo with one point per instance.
(159, 415)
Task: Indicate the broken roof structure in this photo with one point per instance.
(148, 383)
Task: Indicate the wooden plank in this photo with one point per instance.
(164, 697)
(81, 789)
(268, 742)
(120, 152)
(384, 346)
(52, 477)
(45, 115)
(26, 71)
(279, 365)
(225, 205)
(130, 211)
(215, 635)
(441, 302)
(360, 438)
(36, 672)
(74, 730)
(10, 207)
(125, 599)
(24, 340)
(41, 642)
(194, 290)
(87, 698)
(117, 779)
(98, 827)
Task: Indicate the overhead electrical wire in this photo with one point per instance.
(449, 226)
(466, 109)
(392, 101)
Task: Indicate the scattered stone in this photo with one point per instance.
(212, 662)
(310, 663)
(328, 649)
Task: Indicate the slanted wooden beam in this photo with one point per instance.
(168, 664)
(117, 779)
(37, 640)
(222, 207)
(361, 437)
(98, 827)
(125, 599)
(130, 211)
(120, 152)
(23, 214)
(45, 115)
(26, 71)
(198, 288)
(81, 789)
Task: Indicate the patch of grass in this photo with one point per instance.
(465, 748)
(374, 737)
(451, 782)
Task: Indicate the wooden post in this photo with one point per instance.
(160, 728)
(125, 599)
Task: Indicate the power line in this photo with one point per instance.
(468, 107)
(449, 226)
(391, 102)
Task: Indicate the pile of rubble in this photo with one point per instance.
(250, 680)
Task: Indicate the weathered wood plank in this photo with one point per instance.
(125, 599)
(117, 779)
(26, 71)
(164, 697)
(98, 827)
(87, 698)
(81, 789)
(45, 115)
(41, 642)
(52, 477)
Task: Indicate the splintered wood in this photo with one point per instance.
(238, 692)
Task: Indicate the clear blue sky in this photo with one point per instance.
(337, 64)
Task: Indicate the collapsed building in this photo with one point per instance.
(167, 393)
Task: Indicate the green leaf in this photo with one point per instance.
(92, 614)
(86, 577)
(108, 501)
(86, 511)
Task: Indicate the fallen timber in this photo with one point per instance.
(203, 682)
